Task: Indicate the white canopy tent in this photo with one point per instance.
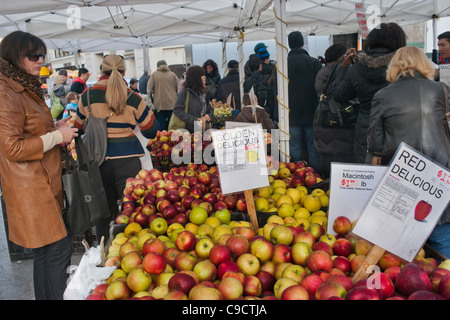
(102, 25)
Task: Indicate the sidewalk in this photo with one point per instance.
(16, 278)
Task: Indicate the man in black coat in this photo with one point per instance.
(230, 84)
(303, 101)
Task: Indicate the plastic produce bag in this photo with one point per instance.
(88, 275)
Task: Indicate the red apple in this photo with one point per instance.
(219, 254)
(311, 283)
(342, 247)
(201, 292)
(330, 289)
(185, 261)
(295, 292)
(252, 286)
(173, 196)
(342, 263)
(363, 293)
(342, 225)
(412, 278)
(422, 210)
(392, 272)
(153, 245)
(345, 281)
(238, 245)
(436, 277)
(323, 246)
(181, 282)
(226, 266)
(96, 296)
(310, 180)
(170, 255)
(219, 205)
(281, 254)
(154, 263)
(262, 249)
(241, 205)
(186, 201)
(230, 201)
(186, 241)
(444, 287)
(304, 237)
(425, 295)
(118, 290)
(319, 261)
(231, 288)
(267, 280)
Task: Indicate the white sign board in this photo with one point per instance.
(444, 73)
(351, 186)
(406, 205)
(241, 158)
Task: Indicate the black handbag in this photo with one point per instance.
(85, 199)
(335, 115)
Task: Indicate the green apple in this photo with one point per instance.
(300, 253)
(281, 234)
(223, 215)
(203, 247)
(198, 215)
(158, 226)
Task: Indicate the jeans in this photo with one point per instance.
(302, 139)
(115, 173)
(50, 269)
(163, 119)
(440, 239)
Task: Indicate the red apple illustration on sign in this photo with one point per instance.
(422, 210)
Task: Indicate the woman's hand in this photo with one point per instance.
(66, 130)
(376, 161)
(348, 59)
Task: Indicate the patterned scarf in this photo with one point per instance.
(28, 81)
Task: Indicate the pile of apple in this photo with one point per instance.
(172, 195)
(214, 258)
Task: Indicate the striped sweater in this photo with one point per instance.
(122, 143)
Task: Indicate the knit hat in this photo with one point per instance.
(295, 39)
(259, 46)
(232, 64)
(263, 53)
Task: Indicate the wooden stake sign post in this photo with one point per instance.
(241, 160)
(404, 208)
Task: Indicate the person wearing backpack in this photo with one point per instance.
(259, 82)
(110, 97)
(212, 77)
(334, 144)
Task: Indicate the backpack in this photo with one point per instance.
(333, 114)
(95, 137)
(263, 91)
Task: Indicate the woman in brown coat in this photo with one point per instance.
(30, 164)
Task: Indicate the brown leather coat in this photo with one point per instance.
(30, 180)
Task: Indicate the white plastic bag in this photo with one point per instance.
(87, 276)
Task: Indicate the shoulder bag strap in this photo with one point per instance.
(186, 102)
(89, 99)
(329, 79)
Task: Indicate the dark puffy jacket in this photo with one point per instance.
(230, 84)
(410, 110)
(330, 141)
(303, 100)
(362, 81)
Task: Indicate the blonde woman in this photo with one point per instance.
(411, 109)
(111, 95)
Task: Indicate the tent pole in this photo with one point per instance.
(240, 48)
(282, 78)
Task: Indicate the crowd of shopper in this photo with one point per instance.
(395, 86)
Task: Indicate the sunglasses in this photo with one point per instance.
(34, 56)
